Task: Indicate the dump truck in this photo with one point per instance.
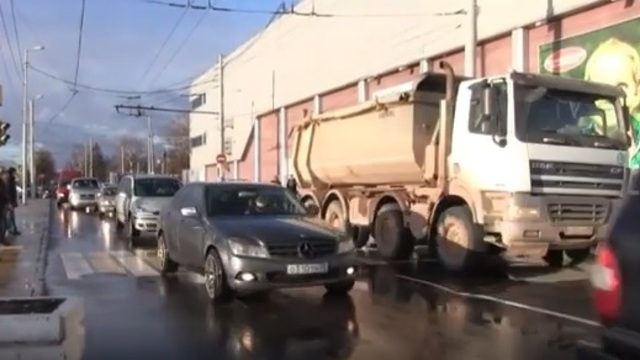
(520, 165)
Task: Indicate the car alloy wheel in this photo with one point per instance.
(161, 252)
(211, 277)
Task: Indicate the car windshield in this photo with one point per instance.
(568, 118)
(250, 201)
(156, 187)
(85, 183)
(109, 191)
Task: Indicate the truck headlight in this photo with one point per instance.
(517, 212)
(248, 248)
(345, 245)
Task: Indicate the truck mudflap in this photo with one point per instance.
(532, 225)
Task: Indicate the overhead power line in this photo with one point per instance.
(3, 18)
(177, 51)
(120, 91)
(290, 11)
(164, 44)
(80, 36)
(62, 110)
(15, 29)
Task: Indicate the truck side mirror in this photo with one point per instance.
(488, 101)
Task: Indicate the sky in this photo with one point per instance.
(120, 41)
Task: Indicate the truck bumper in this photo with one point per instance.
(534, 224)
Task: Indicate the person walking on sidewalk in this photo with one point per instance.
(4, 201)
(10, 184)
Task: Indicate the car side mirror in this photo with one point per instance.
(312, 210)
(188, 211)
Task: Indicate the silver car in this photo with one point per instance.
(107, 200)
(83, 193)
(252, 237)
(139, 201)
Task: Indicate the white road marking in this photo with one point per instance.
(135, 265)
(103, 263)
(75, 266)
(502, 301)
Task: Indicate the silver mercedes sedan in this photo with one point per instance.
(252, 238)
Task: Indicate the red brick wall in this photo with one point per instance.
(245, 166)
(295, 115)
(338, 99)
(268, 146)
(389, 80)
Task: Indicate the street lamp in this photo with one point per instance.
(31, 130)
(25, 118)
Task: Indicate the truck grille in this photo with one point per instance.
(319, 248)
(553, 177)
(578, 213)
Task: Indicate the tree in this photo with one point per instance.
(178, 147)
(77, 157)
(135, 150)
(100, 163)
(45, 165)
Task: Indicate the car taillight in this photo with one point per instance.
(605, 279)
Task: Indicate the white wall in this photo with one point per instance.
(309, 55)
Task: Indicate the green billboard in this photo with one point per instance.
(608, 55)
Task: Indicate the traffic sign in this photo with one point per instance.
(221, 159)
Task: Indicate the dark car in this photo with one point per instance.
(616, 285)
(252, 237)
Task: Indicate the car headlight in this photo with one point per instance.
(345, 245)
(140, 210)
(249, 248)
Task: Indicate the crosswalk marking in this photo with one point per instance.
(104, 263)
(135, 265)
(75, 265)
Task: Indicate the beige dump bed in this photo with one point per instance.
(388, 141)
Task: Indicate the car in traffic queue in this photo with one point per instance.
(250, 238)
(83, 193)
(615, 281)
(62, 185)
(139, 201)
(107, 200)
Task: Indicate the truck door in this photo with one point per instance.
(492, 161)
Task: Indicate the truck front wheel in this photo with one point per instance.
(392, 238)
(460, 244)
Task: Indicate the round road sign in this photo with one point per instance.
(221, 158)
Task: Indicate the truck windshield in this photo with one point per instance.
(568, 118)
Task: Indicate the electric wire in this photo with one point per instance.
(9, 43)
(15, 28)
(119, 91)
(178, 50)
(164, 44)
(80, 37)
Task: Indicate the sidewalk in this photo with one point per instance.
(22, 264)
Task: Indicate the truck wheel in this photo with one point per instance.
(460, 244)
(334, 215)
(554, 258)
(392, 238)
(360, 236)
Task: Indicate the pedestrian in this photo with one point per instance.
(292, 185)
(4, 201)
(10, 184)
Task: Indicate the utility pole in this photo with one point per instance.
(149, 147)
(90, 156)
(221, 167)
(32, 166)
(471, 41)
(25, 119)
(86, 160)
(121, 159)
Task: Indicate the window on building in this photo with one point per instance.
(198, 101)
(228, 146)
(198, 141)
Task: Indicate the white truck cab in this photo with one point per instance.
(550, 153)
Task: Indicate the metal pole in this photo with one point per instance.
(471, 41)
(90, 156)
(150, 167)
(85, 163)
(25, 92)
(221, 112)
(121, 159)
(32, 165)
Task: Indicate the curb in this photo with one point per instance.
(63, 323)
(39, 287)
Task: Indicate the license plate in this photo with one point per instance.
(579, 231)
(301, 269)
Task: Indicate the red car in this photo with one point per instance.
(616, 285)
(62, 187)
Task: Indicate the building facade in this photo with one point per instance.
(300, 65)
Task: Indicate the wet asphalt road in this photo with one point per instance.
(404, 311)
